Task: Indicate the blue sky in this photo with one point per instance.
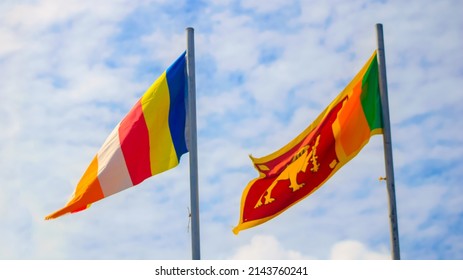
(70, 70)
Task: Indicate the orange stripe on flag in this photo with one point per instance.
(354, 130)
(88, 190)
(141, 145)
(308, 161)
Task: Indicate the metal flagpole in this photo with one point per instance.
(193, 146)
(387, 145)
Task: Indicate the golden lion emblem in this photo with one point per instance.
(299, 162)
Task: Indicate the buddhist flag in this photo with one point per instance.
(149, 140)
(303, 165)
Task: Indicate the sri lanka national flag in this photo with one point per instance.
(303, 165)
(149, 140)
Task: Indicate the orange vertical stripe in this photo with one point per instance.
(354, 131)
(87, 192)
(341, 131)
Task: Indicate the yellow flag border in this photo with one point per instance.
(347, 91)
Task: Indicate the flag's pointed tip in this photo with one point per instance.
(49, 217)
(251, 157)
(237, 229)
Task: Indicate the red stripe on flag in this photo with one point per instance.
(134, 139)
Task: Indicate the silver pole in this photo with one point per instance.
(387, 145)
(193, 146)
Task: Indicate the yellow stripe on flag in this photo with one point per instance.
(155, 105)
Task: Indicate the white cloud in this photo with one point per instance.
(69, 72)
(232, 35)
(11, 42)
(266, 247)
(37, 15)
(354, 250)
(315, 13)
(267, 6)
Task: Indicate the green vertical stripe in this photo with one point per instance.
(370, 98)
